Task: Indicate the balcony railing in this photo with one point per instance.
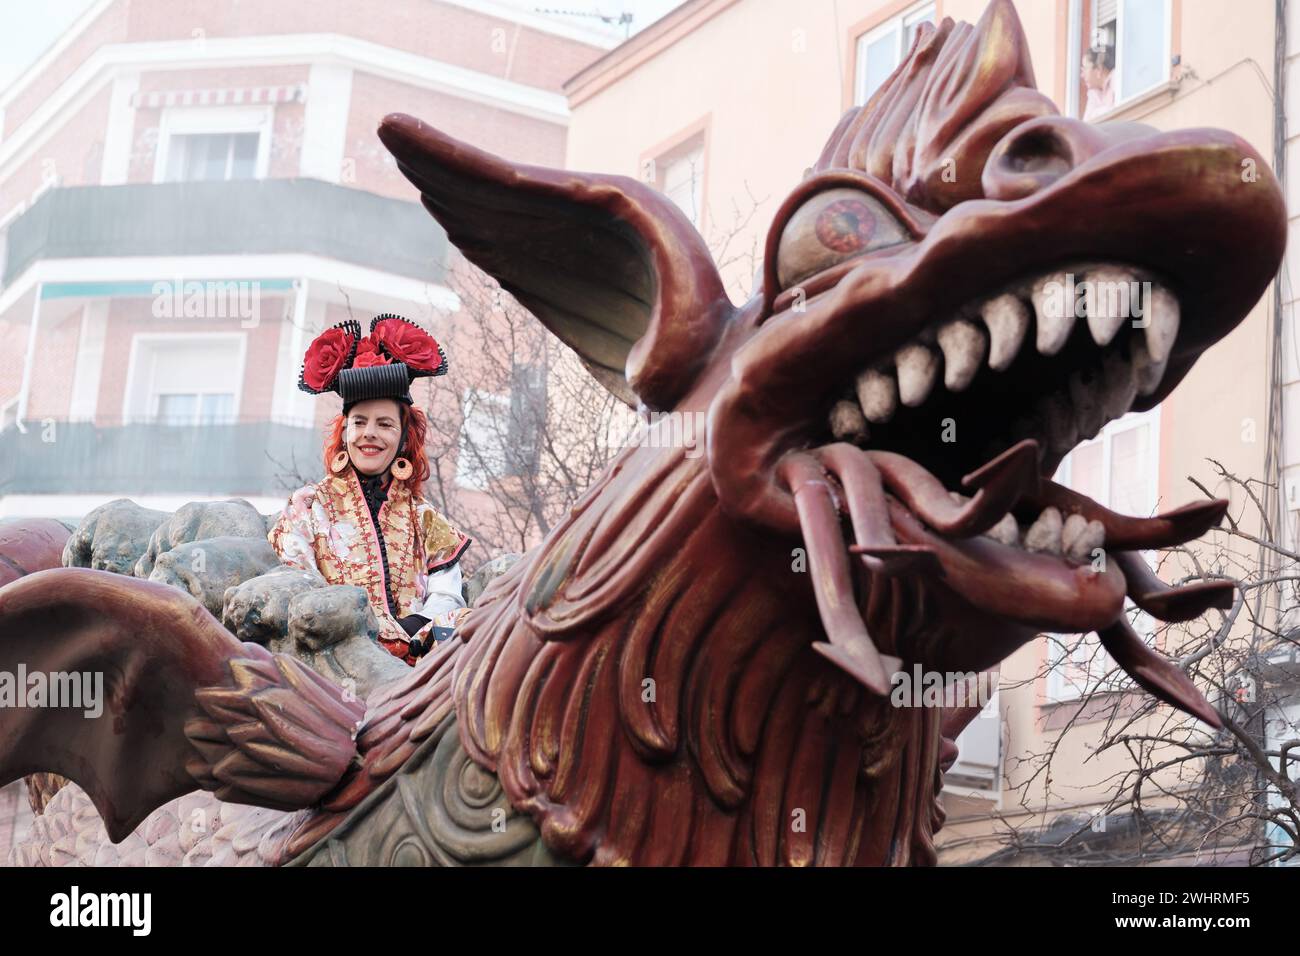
(243, 217)
(241, 458)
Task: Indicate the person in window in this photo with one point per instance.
(366, 522)
(1098, 73)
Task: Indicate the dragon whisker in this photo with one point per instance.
(850, 647)
(1127, 533)
(1001, 484)
(1158, 676)
(1166, 603)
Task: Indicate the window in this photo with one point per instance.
(1125, 52)
(501, 435)
(194, 408)
(1120, 470)
(880, 51)
(679, 174)
(482, 453)
(213, 143)
(979, 750)
(195, 157)
(1281, 724)
(185, 380)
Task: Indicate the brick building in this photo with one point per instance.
(190, 190)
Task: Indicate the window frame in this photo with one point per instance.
(654, 162)
(898, 24)
(213, 120)
(693, 153)
(472, 397)
(1122, 96)
(149, 342)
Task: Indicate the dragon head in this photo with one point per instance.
(917, 362)
(962, 288)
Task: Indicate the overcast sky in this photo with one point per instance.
(35, 25)
(29, 29)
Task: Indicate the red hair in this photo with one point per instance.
(415, 428)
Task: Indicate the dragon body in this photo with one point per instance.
(694, 666)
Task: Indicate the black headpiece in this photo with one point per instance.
(381, 365)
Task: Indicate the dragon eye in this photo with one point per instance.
(831, 227)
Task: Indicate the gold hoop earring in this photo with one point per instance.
(402, 469)
(339, 463)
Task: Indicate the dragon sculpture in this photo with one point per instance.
(659, 682)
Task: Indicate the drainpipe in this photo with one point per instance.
(28, 360)
(1275, 512)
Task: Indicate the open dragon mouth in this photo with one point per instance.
(1024, 359)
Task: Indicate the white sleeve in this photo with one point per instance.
(443, 592)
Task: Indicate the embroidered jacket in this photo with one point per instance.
(326, 527)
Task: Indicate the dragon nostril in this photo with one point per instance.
(1039, 152)
(1030, 159)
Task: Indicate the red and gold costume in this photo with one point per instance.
(326, 527)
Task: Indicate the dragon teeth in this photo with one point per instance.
(1005, 531)
(1080, 537)
(1105, 316)
(848, 423)
(1146, 370)
(1162, 321)
(1045, 533)
(1075, 538)
(918, 369)
(963, 345)
(1087, 398)
(1007, 319)
(878, 395)
(1055, 315)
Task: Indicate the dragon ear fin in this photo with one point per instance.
(611, 266)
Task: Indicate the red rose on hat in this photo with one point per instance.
(408, 343)
(326, 358)
(368, 354)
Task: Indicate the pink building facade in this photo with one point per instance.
(189, 191)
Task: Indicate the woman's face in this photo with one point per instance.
(374, 430)
(1094, 73)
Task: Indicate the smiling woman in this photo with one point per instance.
(366, 523)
